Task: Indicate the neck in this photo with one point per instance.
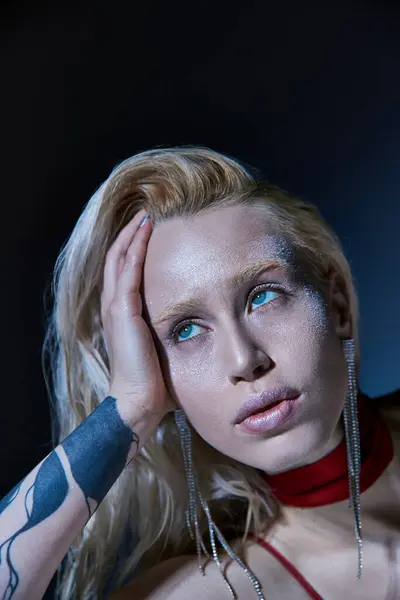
(379, 508)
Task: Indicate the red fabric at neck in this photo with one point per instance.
(326, 481)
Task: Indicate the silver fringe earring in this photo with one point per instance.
(351, 424)
(197, 501)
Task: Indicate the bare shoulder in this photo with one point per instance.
(179, 578)
(168, 579)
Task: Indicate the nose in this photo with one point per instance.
(244, 359)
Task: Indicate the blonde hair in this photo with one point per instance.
(148, 501)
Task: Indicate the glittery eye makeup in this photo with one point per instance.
(248, 313)
(262, 296)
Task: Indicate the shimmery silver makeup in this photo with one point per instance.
(318, 306)
(244, 352)
(282, 249)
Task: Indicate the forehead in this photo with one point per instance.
(230, 229)
(204, 249)
(186, 254)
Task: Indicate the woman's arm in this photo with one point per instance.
(41, 517)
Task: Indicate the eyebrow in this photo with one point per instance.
(179, 310)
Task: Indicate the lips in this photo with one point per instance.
(267, 399)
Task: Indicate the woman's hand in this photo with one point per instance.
(136, 380)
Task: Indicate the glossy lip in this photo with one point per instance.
(258, 403)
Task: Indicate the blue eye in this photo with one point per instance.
(189, 330)
(186, 332)
(264, 297)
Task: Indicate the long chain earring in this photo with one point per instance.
(197, 501)
(351, 424)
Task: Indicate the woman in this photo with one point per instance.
(205, 367)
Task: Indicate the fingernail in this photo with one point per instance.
(145, 219)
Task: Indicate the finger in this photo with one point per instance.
(131, 277)
(115, 258)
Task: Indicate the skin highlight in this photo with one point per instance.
(238, 347)
(236, 340)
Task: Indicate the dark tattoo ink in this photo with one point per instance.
(98, 450)
(48, 491)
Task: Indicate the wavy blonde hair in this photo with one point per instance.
(147, 504)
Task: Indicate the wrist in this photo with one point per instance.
(136, 414)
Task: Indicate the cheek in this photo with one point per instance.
(313, 350)
(193, 377)
(200, 390)
(301, 338)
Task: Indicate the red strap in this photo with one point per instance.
(288, 565)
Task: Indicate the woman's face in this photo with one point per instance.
(234, 314)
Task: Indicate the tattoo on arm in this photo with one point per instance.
(109, 440)
(97, 452)
(49, 490)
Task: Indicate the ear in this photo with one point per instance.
(339, 306)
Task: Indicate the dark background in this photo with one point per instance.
(307, 91)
